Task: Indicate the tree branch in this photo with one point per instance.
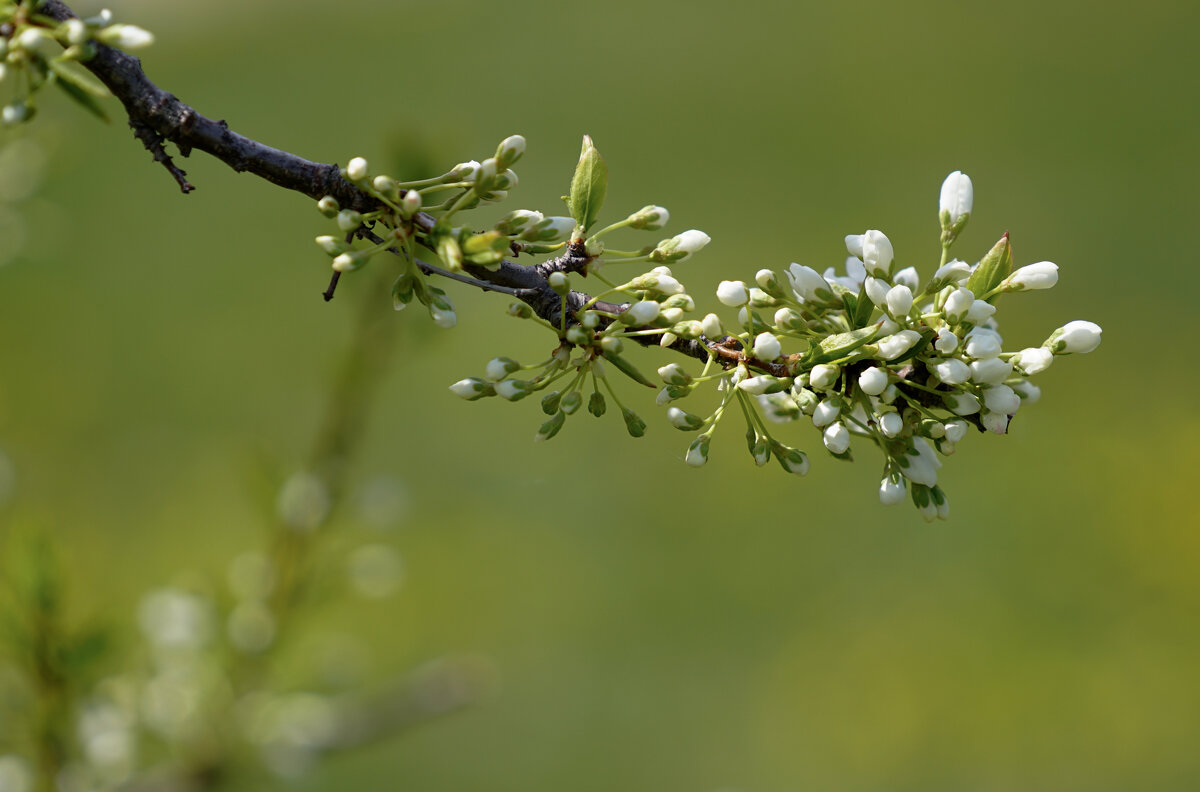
(157, 116)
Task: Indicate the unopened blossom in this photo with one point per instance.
(680, 246)
(994, 422)
(895, 345)
(356, 169)
(872, 381)
(828, 411)
(992, 371)
(946, 341)
(899, 300)
(808, 283)
(1041, 275)
(874, 249)
(951, 371)
(712, 326)
(1034, 360)
(1028, 392)
(697, 453)
(957, 196)
(499, 368)
(1074, 337)
(983, 343)
(951, 272)
(756, 386)
(732, 293)
(823, 376)
(956, 430)
(920, 464)
(877, 290)
(980, 311)
(957, 304)
(767, 347)
(908, 277)
(891, 490)
(836, 438)
(1001, 399)
(642, 312)
(961, 403)
(649, 218)
(891, 424)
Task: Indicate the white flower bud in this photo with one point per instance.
(823, 376)
(348, 219)
(946, 341)
(920, 464)
(808, 283)
(683, 420)
(836, 438)
(649, 218)
(510, 150)
(126, 36)
(899, 300)
(793, 460)
(680, 246)
(732, 293)
(994, 422)
(983, 343)
(1078, 336)
(1001, 399)
(961, 403)
(331, 245)
(697, 453)
(642, 312)
(356, 169)
(956, 431)
(465, 171)
(891, 424)
(891, 490)
(877, 290)
(957, 196)
(712, 326)
(908, 277)
(410, 203)
(757, 386)
(1028, 392)
(443, 318)
(873, 381)
(980, 311)
(951, 371)
(952, 272)
(75, 30)
(1041, 275)
(992, 371)
(875, 250)
(673, 374)
(499, 368)
(895, 345)
(827, 411)
(957, 305)
(1033, 360)
(767, 347)
(470, 388)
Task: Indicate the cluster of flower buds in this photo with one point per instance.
(43, 52)
(879, 355)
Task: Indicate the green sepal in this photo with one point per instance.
(627, 369)
(838, 346)
(635, 425)
(862, 311)
(588, 186)
(550, 402)
(82, 90)
(993, 268)
(596, 404)
(551, 427)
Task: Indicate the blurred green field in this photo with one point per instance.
(651, 626)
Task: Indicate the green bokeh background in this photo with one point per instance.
(651, 626)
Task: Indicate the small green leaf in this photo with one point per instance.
(992, 269)
(838, 346)
(588, 186)
(83, 90)
(627, 369)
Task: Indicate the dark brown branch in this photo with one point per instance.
(157, 116)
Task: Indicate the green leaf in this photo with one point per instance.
(588, 186)
(992, 269)
(627, 369)
(838, 346)
(82, 89)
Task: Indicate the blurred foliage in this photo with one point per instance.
(650, 625)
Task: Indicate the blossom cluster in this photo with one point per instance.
(871, 350)
(38, 51)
